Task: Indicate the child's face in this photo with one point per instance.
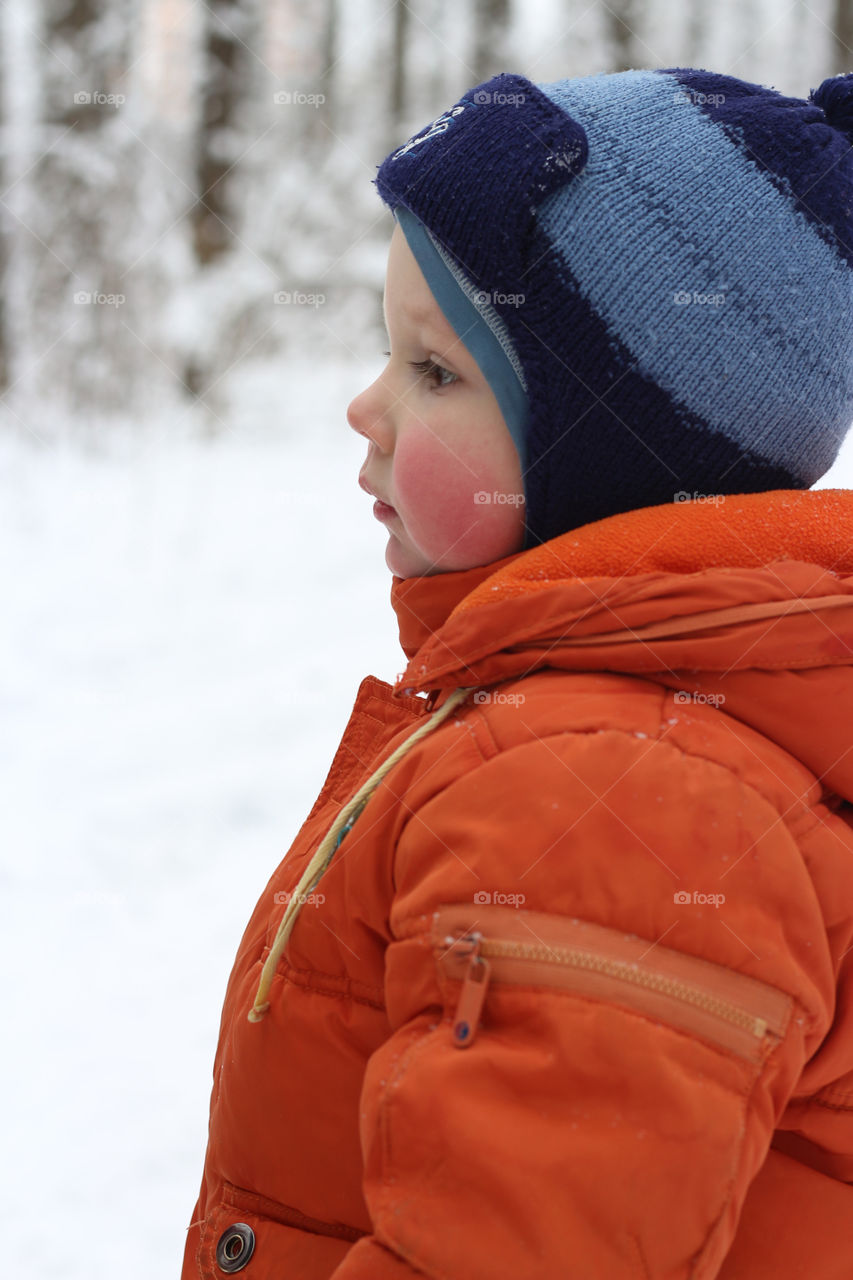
(440, 459)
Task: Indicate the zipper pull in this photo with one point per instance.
(466, 1020)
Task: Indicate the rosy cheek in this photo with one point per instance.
(435, 498)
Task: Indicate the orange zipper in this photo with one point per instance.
(484, 945)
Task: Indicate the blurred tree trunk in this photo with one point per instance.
(842, 36)
(329, 58)
(491, 24)
(399, 43)
(623, 19)
(227, 44)
(22, 107)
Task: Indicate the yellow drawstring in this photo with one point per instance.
(326, 849)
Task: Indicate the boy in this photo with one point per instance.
(573, 996)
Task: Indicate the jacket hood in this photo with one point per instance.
(748, 599)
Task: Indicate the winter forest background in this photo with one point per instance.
(192, 254)
(173, 169)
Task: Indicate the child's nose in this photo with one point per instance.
(366, 414)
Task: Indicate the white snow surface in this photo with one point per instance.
(184, 628)
(183, 631)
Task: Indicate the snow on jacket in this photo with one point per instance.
(574, 996)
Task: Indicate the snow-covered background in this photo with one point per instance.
(192, 584)
(184, 628)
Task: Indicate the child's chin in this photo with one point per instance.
(406, 562)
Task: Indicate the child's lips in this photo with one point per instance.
(381, 509)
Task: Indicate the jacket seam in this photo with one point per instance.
(831, 1105)
(287, 972)
(482, 721)
(792, 825)
(239, 1198)
(737, 1161)
(400, 796)
(661, 736)
(419, 1042)
(466, 713)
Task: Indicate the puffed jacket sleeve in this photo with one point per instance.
(609, 967)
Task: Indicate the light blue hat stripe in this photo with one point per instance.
(476, 323)
(778, 316)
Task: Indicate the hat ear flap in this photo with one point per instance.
(478, 173)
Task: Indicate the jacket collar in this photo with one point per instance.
(749, 600)
(423, 605)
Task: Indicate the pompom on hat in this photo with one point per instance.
(654, 269)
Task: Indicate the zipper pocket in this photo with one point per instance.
(482, 946)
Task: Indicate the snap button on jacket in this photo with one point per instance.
(573, 995)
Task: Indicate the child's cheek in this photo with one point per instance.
(436, 498)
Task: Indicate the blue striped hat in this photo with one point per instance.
(654, 270)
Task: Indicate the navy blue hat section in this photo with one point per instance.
(800, 147)
(683, 244)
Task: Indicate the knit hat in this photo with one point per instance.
(665, 260)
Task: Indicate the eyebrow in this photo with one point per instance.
(421, 319)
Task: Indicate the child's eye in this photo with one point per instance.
(438, 375)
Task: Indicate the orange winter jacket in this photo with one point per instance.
(573, 998)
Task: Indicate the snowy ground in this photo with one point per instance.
(184, 627)
(182, 635)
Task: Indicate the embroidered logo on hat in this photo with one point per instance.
(440, 125)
